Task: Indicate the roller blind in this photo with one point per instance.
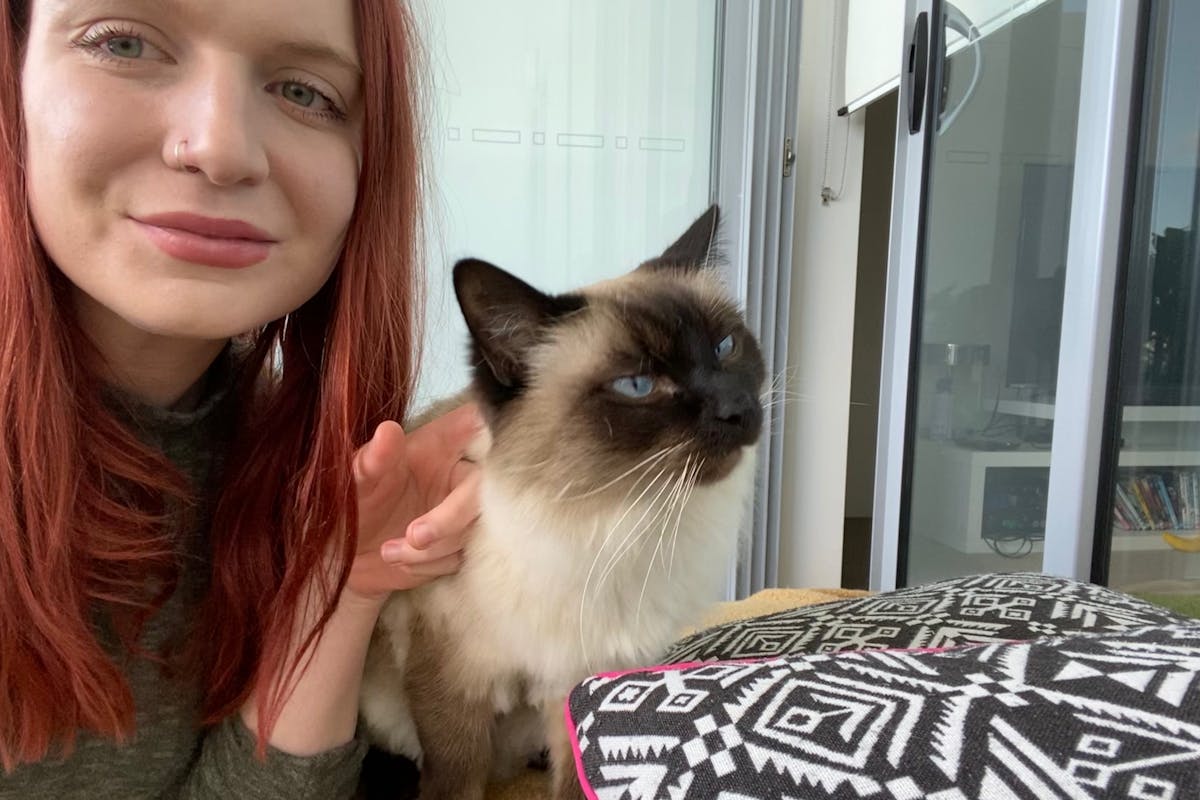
(874, 46)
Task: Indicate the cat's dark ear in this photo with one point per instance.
(696, 247)
(505, 316)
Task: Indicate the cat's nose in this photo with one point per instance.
(738, 415)
(733, 409)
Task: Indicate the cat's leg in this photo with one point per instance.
(383, 704)
(520, 743)
(565, 780)
(455, 727)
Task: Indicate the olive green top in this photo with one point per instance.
(170, 755)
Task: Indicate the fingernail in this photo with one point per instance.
(392, 550)
(420, 534)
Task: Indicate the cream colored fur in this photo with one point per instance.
(532, 612)
(577, 565)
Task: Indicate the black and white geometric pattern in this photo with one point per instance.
(1097, 715)
(978, 608)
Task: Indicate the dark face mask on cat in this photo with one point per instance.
(657, 362)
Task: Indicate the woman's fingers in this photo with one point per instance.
(438, 446)
(376, 577)
(402, 551)
(450, 518)
(418, 498)
(443, 529)
(433, 544)
(447, 565)
(433, 451)
(378, 456)
(455, 430)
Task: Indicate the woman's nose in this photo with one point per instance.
(216, 112)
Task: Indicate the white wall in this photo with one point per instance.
(822, 318)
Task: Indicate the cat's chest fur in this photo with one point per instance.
(547, 597)
(548, 594)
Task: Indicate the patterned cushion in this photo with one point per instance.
(979, 608)
(1105, 701)
(1083, 716)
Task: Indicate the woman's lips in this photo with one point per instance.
(229, 244)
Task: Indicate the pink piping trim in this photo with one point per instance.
(579, 773)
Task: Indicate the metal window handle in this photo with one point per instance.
(957, 21)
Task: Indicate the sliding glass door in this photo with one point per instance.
(1009, 167)
(1149, 523)
(993, 263)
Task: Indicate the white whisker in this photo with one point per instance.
(637, 617)
(672, 502)
(583, 648)
(693, 480)
(637, 531)
(583, 597)
(648, 462)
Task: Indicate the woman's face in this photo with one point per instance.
(260, 100)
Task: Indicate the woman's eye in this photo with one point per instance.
(635, 386)
(116, 43)
(308, 98)
(300, 94)
(124, 46)
(724, 347)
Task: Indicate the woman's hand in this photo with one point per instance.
(417, 497)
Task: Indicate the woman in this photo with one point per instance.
(208, 250)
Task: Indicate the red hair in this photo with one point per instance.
(70, 547)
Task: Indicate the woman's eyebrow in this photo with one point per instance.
(319, 51)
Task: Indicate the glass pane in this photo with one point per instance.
(570, 140)
(995, 245)
(1155, 522)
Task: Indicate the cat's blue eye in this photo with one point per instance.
(724, 347)
(635, 386)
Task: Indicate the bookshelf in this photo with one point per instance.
(961, 487)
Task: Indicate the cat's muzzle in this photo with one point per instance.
(731, 422)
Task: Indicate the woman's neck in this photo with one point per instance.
(160, 370)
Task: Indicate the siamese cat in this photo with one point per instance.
(617, 464)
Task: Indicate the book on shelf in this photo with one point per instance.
(1159, 500)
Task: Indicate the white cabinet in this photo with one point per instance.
(994, 501)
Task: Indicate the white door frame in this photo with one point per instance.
(756, 84)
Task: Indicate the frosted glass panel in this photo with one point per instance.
(570, 140)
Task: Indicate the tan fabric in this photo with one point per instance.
(768, 601)
(534, 785)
